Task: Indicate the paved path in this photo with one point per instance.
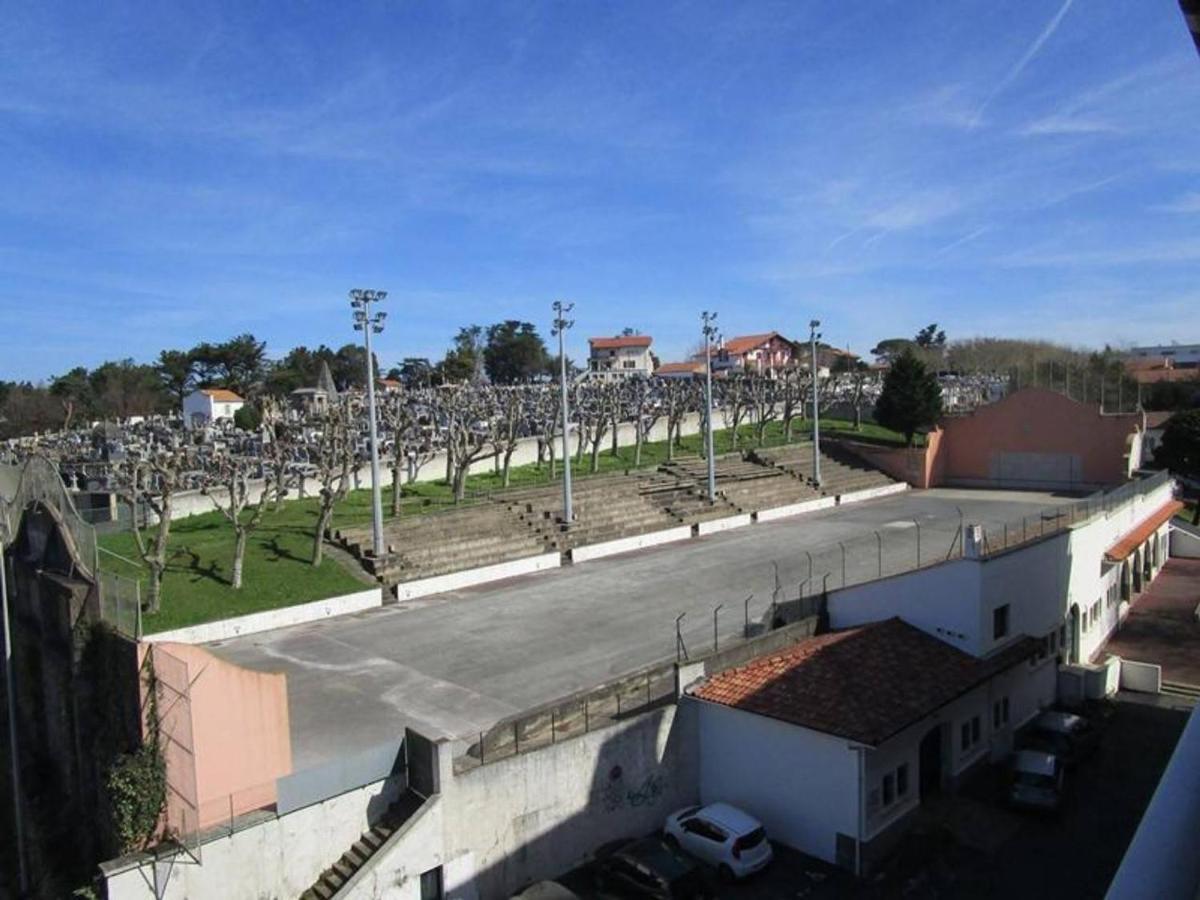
(457, 663)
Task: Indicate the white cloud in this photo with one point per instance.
(1015, 72)
(1067, 125)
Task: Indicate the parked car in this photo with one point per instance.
(649, 868)
(1070, 737)
(722, 836)
(1036, 780)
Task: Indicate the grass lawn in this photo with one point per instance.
(277, 572)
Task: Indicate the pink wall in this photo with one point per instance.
(1036, 420)
(921, 467)
(239, 734)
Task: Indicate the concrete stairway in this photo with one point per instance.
(841, 473)
(744, 484)
(334, 878)
(438, 543)
(607, 508)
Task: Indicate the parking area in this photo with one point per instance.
(971, 845)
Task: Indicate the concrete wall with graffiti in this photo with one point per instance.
(536, 814)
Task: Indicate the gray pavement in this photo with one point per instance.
(455, 664)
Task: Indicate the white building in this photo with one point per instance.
(1177, 354)
(208, 406)
(620, 356)
(834, 742)
(1070, 589)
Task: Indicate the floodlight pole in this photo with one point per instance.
(709, 329)
(561, 324)
(816, 409)
(360, 301)
(13, 747)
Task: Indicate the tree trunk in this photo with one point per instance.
(857, 417)
(614, 424)
(508, 462)
(319, 537)
(670, 441)
(550, 448)
(154, 592)
(637, 448)
(449, 464)
(595, 465)
(460, 482)
(239, 556)
(397, 465)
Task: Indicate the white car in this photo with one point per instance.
(722, 836)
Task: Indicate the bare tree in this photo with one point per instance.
(332, 452)
(400, 416)
(643, 405)
(150, 483)
(595, 406)
(547, 414)
(762, 398)
(791, 392)
(465, 411)
(507, 424)
(232, 475)
(679, 398)
(734, 397)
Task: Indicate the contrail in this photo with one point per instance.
(1015, 72)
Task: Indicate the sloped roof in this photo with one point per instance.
(221, 395)
(864, 684)
(1134, 539)
(616, 343)
(747, 342)
(680, 368)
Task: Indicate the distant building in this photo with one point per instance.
(1169, 355)
(621, 356)
(757, 352)
(685, 370)
(389, 385)
(207, 406)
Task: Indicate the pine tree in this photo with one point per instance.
(911, 398)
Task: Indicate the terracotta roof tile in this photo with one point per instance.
(1122, 548)
(865, 684)
(615, 343)
(221, 395)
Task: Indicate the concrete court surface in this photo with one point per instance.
(455, 664)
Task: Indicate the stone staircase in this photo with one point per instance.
(439, 543)
(334, 878)
(745, 485)
(841, 472)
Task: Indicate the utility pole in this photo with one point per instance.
(13, 748)
(813, 334)
(709, 328)
(561, 324)
(368, 324)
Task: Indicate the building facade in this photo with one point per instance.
(621, 356)
(207, 406)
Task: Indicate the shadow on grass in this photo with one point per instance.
(280, 552)
(193, 566)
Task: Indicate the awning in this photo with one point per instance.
(1122, 548)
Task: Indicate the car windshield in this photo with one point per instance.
(751, 840)
(1034, 779)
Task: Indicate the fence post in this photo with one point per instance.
(231, 815)
(647, 689)
(516, 739)
(553, 728)
(137, 599)
(918, 524)
(843, 546)
(879, 544)
(716, 641)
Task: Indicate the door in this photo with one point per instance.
(930, 762)
(1076, 635)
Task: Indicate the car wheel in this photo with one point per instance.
(671, 841)
(724, 873)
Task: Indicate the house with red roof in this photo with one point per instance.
(835, 741)
(620, 356)
(208, 406)
(758, 352)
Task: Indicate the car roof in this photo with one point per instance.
(546, 890)
(730, 818)
(1056, 720)
(1035, 761)
(653, 853)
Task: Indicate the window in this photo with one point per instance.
(1095, 611)
(431, 884)
(889, 788)
(1083, 621)
(965, 741)
(1000, 622)
(902, 780)
(1000, 713)
(975, 729)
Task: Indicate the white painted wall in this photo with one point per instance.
(280, 857)
(801, 784)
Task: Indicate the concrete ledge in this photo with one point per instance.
(271, 619)
(712, 526)
(871, 493)
(1145, 678)
(794, 509)
(637, 542)
(438, 584)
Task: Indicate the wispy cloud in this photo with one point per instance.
(1067, 125)
(965, 239)
(1015, 72)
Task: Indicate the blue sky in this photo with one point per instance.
(171, 175)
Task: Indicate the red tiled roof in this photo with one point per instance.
(747, 342)
(1126, 545)
(679, 368)
(221, 395)
(616, 343)
(864, 684)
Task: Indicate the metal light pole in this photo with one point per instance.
(14, 750)
(561, 324)
(709, 329)
(360, 301)
(812, 339)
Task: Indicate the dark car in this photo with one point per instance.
(1070, 737)
(648, 868)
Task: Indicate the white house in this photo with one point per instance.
(620, 356)
(834, 742)
(207, 406)
(1070, 589)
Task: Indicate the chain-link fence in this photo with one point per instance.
(173, 695)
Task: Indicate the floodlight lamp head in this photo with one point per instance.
(815, 323)
(381, 295)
